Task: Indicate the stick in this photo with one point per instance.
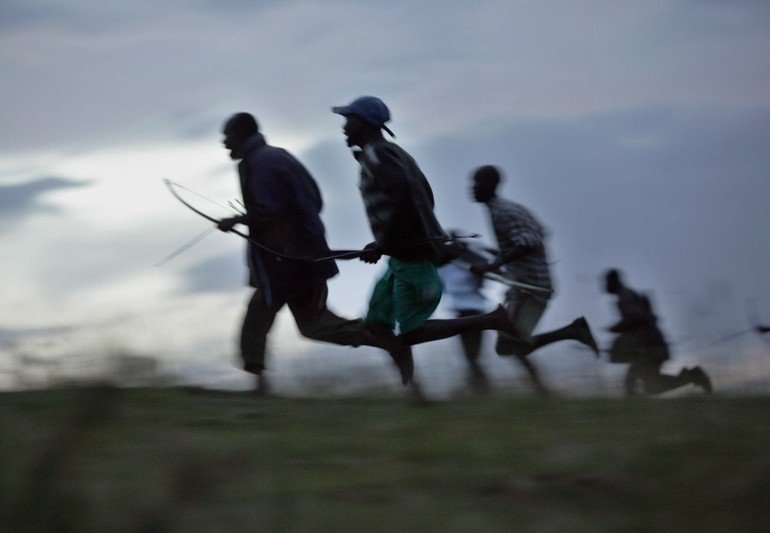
(201, 236)
(493, 276)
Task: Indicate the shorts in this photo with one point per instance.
(407, 294)
(525, 310)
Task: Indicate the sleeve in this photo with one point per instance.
(521, 231)
(392, 192)
(526, 239)
(522, 240)
(389, 172)
(266, 191)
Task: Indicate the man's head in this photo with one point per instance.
(613, 281)
(485, 182)
(365, 119)
(236, 130)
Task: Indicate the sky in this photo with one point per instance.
(637, 132)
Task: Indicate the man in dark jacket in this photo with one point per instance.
(283, 205)
(399, 205)
(641, 343)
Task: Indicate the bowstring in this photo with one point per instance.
(339, 254)
(199, 195)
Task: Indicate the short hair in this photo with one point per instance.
(489, 174)
(244, 122)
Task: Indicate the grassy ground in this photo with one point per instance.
(181, 460)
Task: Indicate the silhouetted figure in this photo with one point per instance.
(641, 343)
(762, 329)
(283, 205)
(399, 206)
(522, 258)
(464, 290)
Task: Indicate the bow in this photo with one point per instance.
(335, 254)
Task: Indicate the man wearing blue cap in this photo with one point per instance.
(399, 205)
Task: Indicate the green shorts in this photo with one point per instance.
(407, 295)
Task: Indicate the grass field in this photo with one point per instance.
(192, 460)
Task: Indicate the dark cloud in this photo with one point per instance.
(12, 335)
(135, 71)
(85, 18)
(25, 199)
(238, 8)
(21, 14)
(194, 123)
(336, 172)
(674, 195)
(661, 178)
(225, 273)
(647, 157)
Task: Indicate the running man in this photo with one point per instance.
(523, 259)
(641, 343)
(399, 206)
(283, 205)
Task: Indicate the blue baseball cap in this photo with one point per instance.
(370, 108)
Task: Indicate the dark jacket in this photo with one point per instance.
(639, 340)
(283, 206)
(399, 203)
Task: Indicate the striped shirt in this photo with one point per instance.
(399, 202)
(514, 227)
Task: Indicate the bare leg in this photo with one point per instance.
(630, 382)
(316, 321)
(471, 341)
(534, 375)
(417, 395)
(578, 330)
(660, 383)
(400, 353)
(261, 385)
(434, 330)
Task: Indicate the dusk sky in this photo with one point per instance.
(638, 132)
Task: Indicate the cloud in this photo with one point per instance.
(651, 169)
(11, 335)
(26, 199)
(336, 172)
(223, 273)
(674, 195)
(637, 133)
(18, 15)
(125, 73)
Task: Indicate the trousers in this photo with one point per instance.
(314, 321)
